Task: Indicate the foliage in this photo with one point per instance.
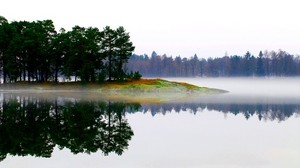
(134, 75)
(116, 50)
(34, 51)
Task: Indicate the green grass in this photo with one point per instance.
(143, 85)
(144, 90)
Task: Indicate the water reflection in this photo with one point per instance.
(279, 112)
(33, 126)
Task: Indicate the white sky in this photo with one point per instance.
(208, 28)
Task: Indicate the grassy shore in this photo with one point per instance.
(137, 90)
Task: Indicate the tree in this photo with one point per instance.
(77, 47)
(14, 50)
(93, 59)
(116, 47)
(45, 32)
(3, 21)
(260, 65)
(108, 50)
(58, 52)
(246, 70)
(124, 49)
(5, 30)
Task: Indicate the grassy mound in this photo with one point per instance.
(144, 90)
(153, 85)
(154, 91)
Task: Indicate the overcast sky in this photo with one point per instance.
(208, 28)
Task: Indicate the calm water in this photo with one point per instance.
(256, 124)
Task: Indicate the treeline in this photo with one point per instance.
(35, 51)
(265, 112)
(268, 63)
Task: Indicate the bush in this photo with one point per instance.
(101, 77)
(134, 75)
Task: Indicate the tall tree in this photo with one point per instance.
(108, 50)
(15, 50)
(93, 59)
(4, 38)
(116, 47)
(124, 49)
(45, 32)
(85, 59)
(59, 51)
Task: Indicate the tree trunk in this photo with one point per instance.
(109, 68)
(56, 74)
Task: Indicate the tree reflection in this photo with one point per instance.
(270, 112)
(34, 127)
(24, 129)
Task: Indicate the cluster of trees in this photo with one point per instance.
(35, 51)
(33, 126)
(268, 63)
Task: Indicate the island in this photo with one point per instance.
(142, 90)
(81, 62)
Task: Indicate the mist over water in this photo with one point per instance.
(255, 124)
(250, 89)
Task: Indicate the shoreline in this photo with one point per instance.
(144, 90)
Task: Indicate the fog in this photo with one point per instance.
(249, 90)
(246, 90)
(165, 134)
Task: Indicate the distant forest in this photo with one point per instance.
(268, 63)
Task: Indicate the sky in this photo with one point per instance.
(208, 28)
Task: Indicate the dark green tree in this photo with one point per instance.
(124, 49)
(45, 31)
(117, 48)
(108, 50)
(34, 51)
(59, 51)
(6, 35)
(15, 50)
(77, 45)
(93, 61)
(84, 59)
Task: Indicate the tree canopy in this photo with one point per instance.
(35, 51)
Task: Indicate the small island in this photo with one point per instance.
(142, 90)
(86, 60)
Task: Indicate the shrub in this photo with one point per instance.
(134, 75)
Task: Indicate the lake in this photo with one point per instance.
(256, 124)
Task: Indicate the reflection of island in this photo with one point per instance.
(270, 112)
(33, 126)
(30, 125)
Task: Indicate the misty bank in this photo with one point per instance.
(143, 90)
